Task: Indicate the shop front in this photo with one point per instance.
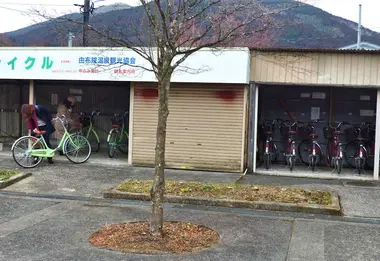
(208, 99)
(317, 108)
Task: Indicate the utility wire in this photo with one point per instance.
(29, 4)
(16, 10)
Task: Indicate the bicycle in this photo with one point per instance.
(118, 136)
(335, 148)
(356, 153)
(88, 130)
(28, 151)
(290, 147)
(270, 148)
(311, 146)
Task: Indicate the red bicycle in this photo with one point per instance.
(335, 148)
(290, 146)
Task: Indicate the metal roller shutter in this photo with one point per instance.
(205, 127)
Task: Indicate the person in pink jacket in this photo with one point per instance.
(38, 119)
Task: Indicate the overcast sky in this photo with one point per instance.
(14, 14)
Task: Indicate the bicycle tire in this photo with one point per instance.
(303, 151)
(351, 149)
(78, 140)
(111, 143)
(267, 160)
(370, 157)
(313, 163)
(123, 142)
(328, 153)
(34, 160)
(291, 162)
(92, 137)
(339, 164)
(361, 165)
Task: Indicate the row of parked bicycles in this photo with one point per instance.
(76, 144)
(358, 152)
(117, 138)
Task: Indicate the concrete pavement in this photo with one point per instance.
(92, 178)
(45, 229)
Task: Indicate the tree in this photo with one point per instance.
(169, 32)
(166, 27)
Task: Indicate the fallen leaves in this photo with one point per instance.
(179, 237)
(233, 191)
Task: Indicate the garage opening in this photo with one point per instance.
(106, 98)
(319, 129)
(12, 95)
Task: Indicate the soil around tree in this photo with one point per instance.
(134, 237)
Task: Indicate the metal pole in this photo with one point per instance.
(377, 139)
(255, 127)
(360, 28)
(32, 100)
(86, 19)
(70, 42)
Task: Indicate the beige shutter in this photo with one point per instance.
(205, 127)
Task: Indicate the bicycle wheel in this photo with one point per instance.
(329, 149)
(338, 165)
(313, 162)
(92, 137)
(351, 152)
(77, 149)
(21, 151)
(304, 152)
(123, 142)
(360, 164)
(267, 161)
(112, 142)
(291, 162)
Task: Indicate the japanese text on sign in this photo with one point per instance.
(107, 60)
(30, 62)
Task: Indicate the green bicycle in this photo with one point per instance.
(118, 136)
(28, 151)
(88, 130)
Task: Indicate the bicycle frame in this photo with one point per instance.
(336, 151)
(291, 144)
(48, 152)
(269, 137)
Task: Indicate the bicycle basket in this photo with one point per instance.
(117, 120)
(84, 120)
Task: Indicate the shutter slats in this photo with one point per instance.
(204, 130)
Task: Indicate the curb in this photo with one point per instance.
(14, 179)
(333, 209)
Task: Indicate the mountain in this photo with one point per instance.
(305, 26)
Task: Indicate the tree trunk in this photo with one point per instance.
(158, 187)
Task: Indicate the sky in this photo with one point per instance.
(16, 14)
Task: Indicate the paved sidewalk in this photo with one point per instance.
(358, 199)
(44, 230)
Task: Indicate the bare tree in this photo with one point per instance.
(165, 30)
(168, 33)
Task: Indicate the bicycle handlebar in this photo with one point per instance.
(339, 125)
(269, 123)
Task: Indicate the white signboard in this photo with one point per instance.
(319, 95)
(99, 64)
(367, 113)
(365, 97)
(315, 113)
